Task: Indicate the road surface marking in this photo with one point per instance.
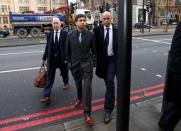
(156, 41)
(18, 70)
(160, 76)
(69, 114)
(135, 96)
(19, 53)
(143, 69)
(166, 39)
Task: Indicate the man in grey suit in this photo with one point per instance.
(79, 53)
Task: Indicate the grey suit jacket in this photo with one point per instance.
(80, 54)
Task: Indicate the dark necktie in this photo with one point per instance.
(56, 42)
(106, 40)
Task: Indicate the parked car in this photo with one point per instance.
(139, 25)
(4, 33)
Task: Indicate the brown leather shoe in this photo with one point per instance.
(66, 86)
(45, 100)
(77, 103)
(89, 120)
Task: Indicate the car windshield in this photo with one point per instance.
(88, 14)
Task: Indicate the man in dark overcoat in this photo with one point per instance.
(172, 113)
(106, 57)
(55, 56)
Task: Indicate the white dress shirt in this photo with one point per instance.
(110, 45)
(58, 33)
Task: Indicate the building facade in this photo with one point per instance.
(159, 9)
(25, 6)
(5, 7)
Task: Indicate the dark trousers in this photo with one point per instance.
(51, 75)
(83, 81)
(110, 86)
(170, 117)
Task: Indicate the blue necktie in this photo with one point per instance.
(106, 40)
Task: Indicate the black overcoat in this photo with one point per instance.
(173, 79)
(50, 48)
(101, 53)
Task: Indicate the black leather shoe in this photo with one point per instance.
(107, 118)
(163, 126)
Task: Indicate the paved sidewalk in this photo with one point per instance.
(144, 116)
(7, 42)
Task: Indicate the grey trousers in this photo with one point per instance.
(83, 81)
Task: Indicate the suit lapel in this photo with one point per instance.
(60, 37)
(75, 38)
(52, 38)
(102, 33)
(84, 36)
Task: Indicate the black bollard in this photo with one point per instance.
(124, 64)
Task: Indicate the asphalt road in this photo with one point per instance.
(19, 66)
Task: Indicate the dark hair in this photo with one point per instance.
(79, 16)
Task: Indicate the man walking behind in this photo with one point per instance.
(106, 52)
(55, 56)
(80, 43)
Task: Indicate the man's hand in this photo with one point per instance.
(43, 63)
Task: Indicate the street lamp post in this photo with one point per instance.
(50, 6)
(124, 64)
(143, 12)
(149, 14)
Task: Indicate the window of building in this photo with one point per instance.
(23, 9)
(162, 12)
(42, 8)
(4, 8)
(58, 1)
(23, 1)
(5, 20)
(42, 1)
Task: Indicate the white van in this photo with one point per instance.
(89, 17)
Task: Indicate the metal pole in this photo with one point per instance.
(143, 12)
(124, 64)
(149, 20)
(14, 6)
(50, 6)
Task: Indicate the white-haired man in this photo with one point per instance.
(55, 56)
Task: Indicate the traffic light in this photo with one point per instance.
(148, 7)
(72, 8)
(107, 6)
(101, 9)
(115, 6)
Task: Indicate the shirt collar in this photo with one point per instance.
(110, 27)
(57, 31)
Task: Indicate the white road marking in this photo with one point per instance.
(18, 70)
(166, 39)
(156, 41)
(19, 53)
(160, 76)
(143, 69)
